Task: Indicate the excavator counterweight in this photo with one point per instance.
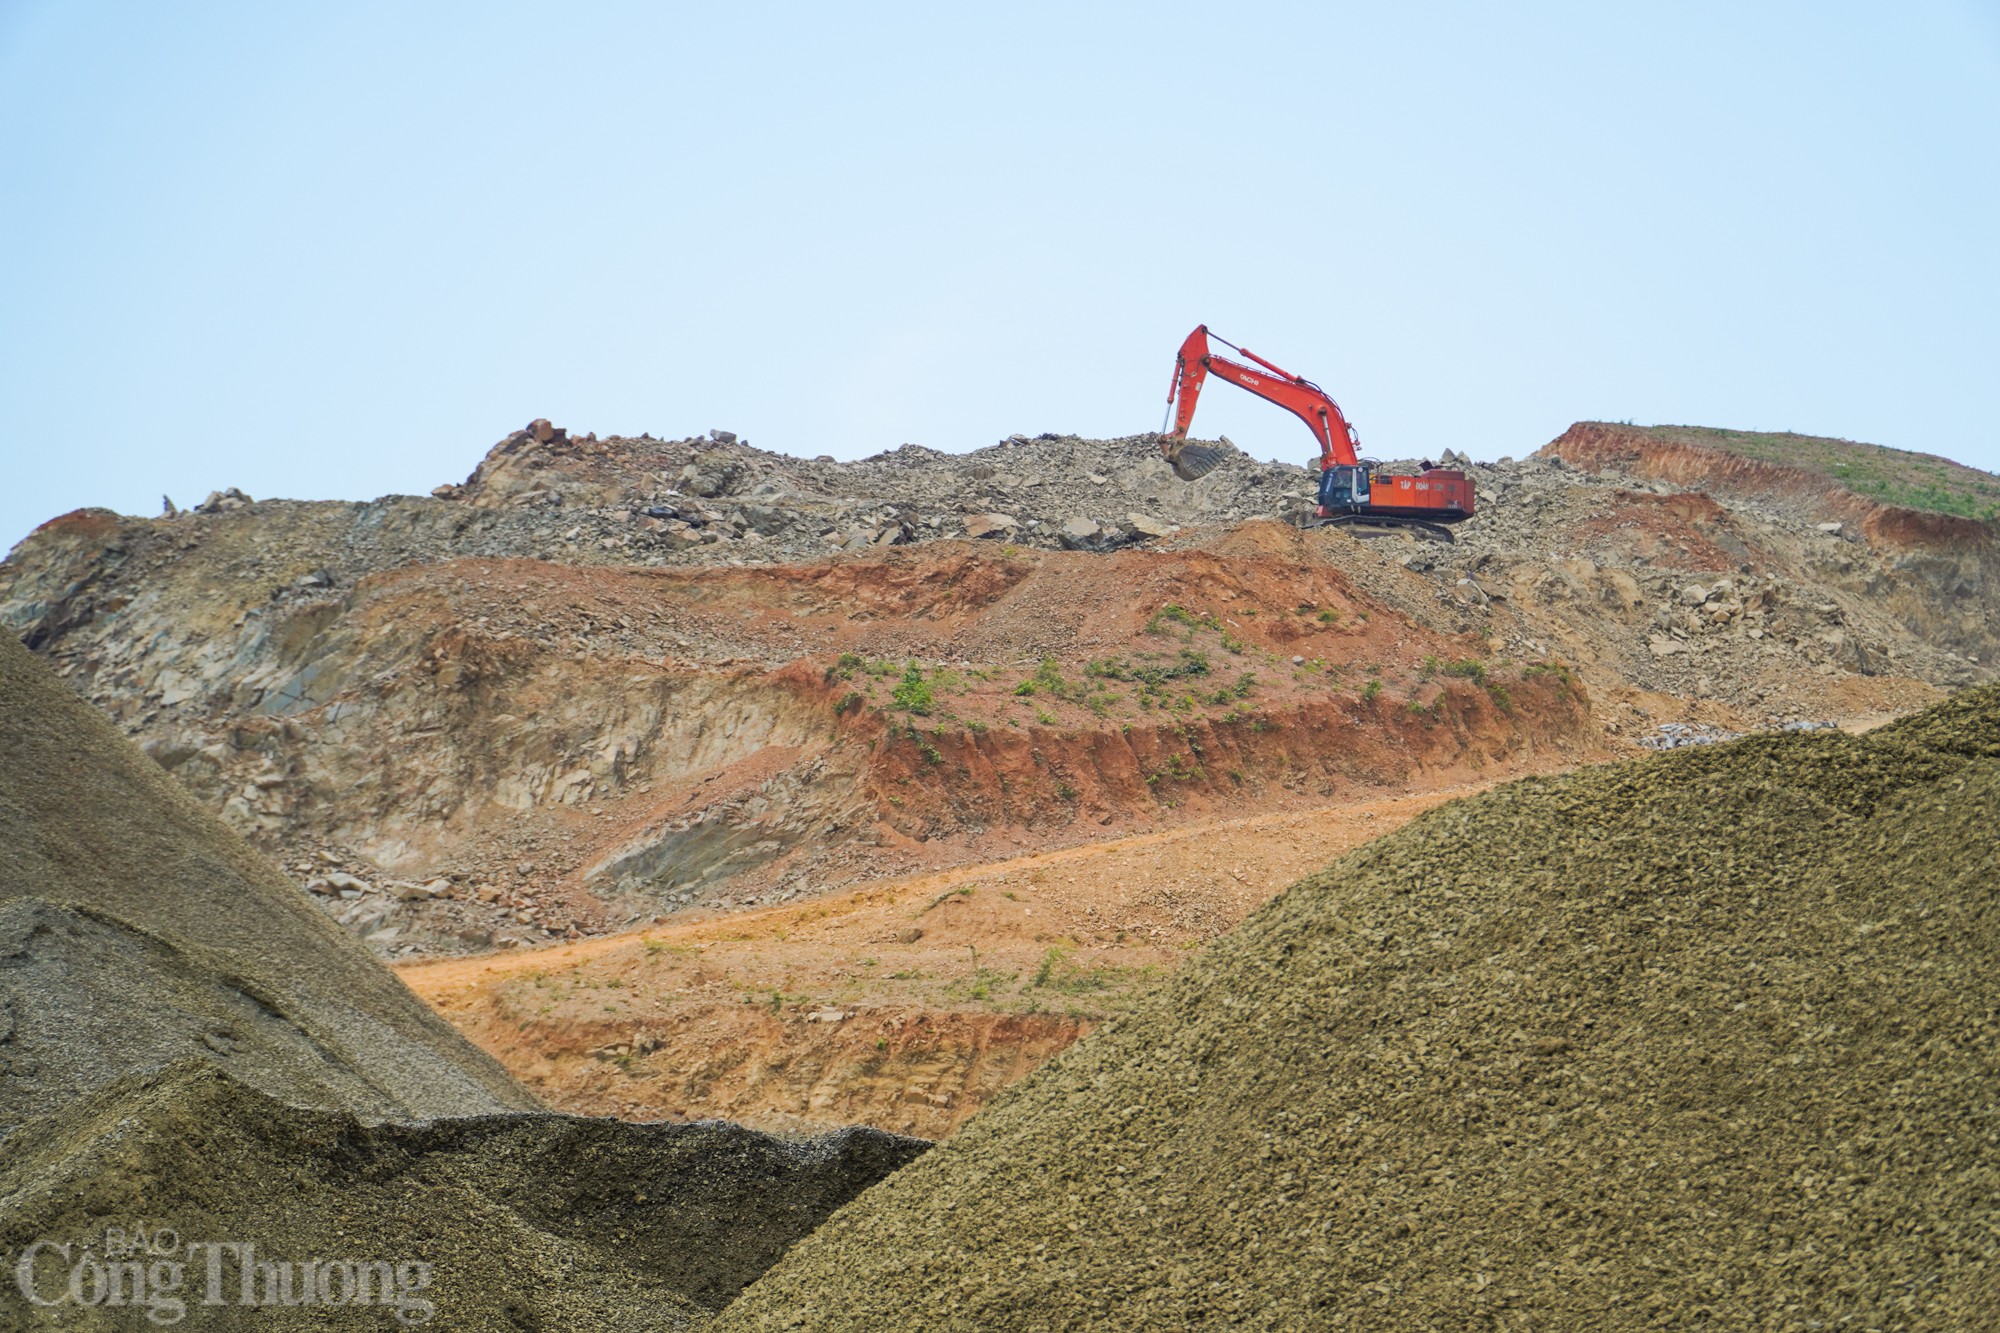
(1350, 488)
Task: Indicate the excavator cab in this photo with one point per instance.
(1343, 487)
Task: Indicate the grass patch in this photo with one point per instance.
(1163, 620)
(1890, 476)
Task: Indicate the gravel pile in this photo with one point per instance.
(190, 1048)
(1707, 1037)
(137, 930)
(499, 1223)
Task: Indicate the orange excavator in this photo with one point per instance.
(1352, 489)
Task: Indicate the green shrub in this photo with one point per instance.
(913, 693)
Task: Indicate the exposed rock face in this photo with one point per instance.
(659, 739)
(136, 930)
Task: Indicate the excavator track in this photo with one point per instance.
(1369, 526)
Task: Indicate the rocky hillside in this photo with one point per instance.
(1881, 477)
(605, 680)
(1926, 527)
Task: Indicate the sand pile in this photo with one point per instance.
(1707, 1037)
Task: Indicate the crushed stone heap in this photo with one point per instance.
(534, 1221)
(136, 930)
(1707, 1037)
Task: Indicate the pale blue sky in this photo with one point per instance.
(338, 250)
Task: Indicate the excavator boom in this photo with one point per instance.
(1295, 393)
(1349, 489)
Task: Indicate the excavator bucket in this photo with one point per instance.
(1192, 462)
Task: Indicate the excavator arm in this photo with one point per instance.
(1194, 363)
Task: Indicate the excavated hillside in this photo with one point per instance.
(485, 749)
(905, 1004)
(672, 690)
(1703, 1038)
(606, 680)
(1930, 527)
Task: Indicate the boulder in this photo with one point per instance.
(219, 502)
(990, 525)
(680, 534)
(1078, 533)
(765, 519)
(711, 475)
(1146, 526)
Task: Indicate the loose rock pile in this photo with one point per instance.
(1679, 735)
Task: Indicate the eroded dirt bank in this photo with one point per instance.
(458, 755)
